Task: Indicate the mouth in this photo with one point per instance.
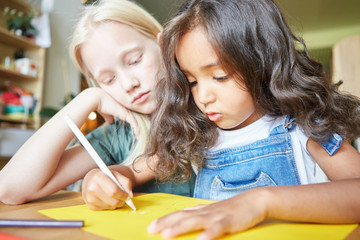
(214, 116)
(140, 98)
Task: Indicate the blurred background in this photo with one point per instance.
(321, 23)
(44, 71)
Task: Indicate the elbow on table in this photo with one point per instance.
(10, 198)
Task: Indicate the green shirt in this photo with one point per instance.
(113, 143)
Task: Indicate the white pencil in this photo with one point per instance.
(95, 156)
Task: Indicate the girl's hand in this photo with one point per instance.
(229, 216)
(101, 193)
(109, 108)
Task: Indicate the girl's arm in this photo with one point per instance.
(332, 202)
(101, 193)
(42, 166)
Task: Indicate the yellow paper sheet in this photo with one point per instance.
(124, 223)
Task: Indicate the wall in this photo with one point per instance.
(327, 38)
(161, 9)
(62, 20)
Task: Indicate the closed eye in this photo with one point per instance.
(221, 78)
(110, 80)
(136, 61)
(192, 84)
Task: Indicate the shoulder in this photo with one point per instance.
(117, 128)
(331, 146)
(345, 163)
(113, 142)
(118, 133)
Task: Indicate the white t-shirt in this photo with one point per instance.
(309, 171)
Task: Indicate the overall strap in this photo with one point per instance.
(287, 126)
(332, 145)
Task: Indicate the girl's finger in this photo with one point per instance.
(125, 183)
(111, 190)
(214, 231)
(197, 207)
(160, 224)
(177, 224)
(103, 193)
(94, 203)
(112, 200)
(184, 225)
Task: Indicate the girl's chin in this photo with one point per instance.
(229, 127)
(147, 111)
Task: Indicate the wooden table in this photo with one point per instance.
(61, 199)
(30, 211)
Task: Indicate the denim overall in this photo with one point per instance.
(267, 162)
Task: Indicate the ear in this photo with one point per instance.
(158, 36)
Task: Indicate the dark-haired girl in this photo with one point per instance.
(254, 115)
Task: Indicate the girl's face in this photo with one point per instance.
(125, 63)
(218, 95)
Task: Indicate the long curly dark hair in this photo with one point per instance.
(254, 43)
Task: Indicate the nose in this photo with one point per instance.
(205, 93)
(130, 82)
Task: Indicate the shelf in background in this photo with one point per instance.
(15, 119)
(15, 75)
(19, 5)
(10, 38)
(9, 44)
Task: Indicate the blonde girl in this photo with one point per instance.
(114, 45)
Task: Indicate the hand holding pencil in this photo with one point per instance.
(104, 169)
(101, 193)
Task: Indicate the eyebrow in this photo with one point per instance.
(131, 49)
(215, 64)
(210, 65)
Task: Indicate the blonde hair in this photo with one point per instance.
(131, 14)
